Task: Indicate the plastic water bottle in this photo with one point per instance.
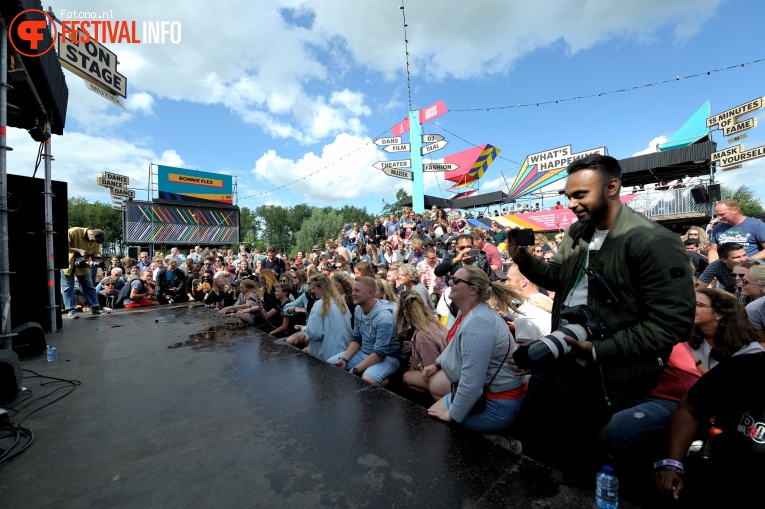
(607, 489)
(52, 353)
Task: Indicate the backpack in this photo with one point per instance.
(124, 294)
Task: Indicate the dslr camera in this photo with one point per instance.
(89, 260)
(582, 325)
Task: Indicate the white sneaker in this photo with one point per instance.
(73, 315)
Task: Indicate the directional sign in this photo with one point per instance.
(127, 193)
(427, 149)
(749, 123)
(440, 167)
(388, 141)
(402, 147)
(404, 163)
(392, 172)
(431, 138)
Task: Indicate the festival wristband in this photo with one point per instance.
(343, 359)
(669, 464)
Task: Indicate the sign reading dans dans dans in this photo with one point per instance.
(180, 184)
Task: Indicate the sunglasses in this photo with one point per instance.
(738, 275)
(108, 284)
(454, 280)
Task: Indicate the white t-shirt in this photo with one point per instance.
(534, 323)
(578, 294)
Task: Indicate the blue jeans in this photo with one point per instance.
(88, 290)
(378, 372)
(499, 414)
(636, 430)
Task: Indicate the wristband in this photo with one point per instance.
(698, 362)
(343, 359)
(669, 464)
(437, 364)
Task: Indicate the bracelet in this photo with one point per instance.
(437, 364)
(698, 362)
(669, 464)
(343, 359)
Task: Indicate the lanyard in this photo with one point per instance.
(581, 268)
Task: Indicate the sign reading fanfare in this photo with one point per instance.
(427, 149)
(440, 167)
(404, 163)
(392, 172)
(388, 141)
(402, 147)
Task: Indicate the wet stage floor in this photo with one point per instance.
(180, 407)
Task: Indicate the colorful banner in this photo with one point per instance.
(180, 184)
(545, 220)
(149, 223)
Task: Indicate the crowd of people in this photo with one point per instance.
(608, 330)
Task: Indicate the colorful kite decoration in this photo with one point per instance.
(472, 163)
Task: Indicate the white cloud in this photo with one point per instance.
(350, 174)
(652, 146)
(141, 102)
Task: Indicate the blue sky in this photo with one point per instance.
(271, 91)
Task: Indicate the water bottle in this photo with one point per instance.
(52, 353)
(607, 489)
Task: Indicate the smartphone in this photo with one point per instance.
(473, 253)
(523, 237)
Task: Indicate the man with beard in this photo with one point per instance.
(631, 273)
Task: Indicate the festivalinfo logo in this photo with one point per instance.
(83, 27)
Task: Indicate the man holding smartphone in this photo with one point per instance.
(631, 273)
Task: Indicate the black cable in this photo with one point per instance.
(29, 395)
(71, 384)
(18, 432)
(31, 180)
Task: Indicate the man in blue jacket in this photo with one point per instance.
(372, 352)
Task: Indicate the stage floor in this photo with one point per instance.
(178, 409)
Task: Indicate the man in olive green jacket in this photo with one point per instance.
(649, 309)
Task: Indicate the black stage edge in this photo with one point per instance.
(178, 409)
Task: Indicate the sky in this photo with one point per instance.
(272, 91)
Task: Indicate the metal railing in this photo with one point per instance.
(667, 204)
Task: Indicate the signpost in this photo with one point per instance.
(396, 140)
(117, 185)
(731, 158)
(402, 174)
(404, 163)
(431, 138)
(427, 149)
(403, 147)
(440, 167)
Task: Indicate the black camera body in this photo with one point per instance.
(582, 325)
(89, 260)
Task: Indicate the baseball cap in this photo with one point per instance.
(315, 248)
(231, 268)
(347, 226)
(236, 282)
(99, 235)
(501, 274)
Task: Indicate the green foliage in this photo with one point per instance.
(395, 208)
(749, 204)
(275, 230)
(322, 225)
(100, 216)
(247, 226)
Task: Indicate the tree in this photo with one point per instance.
(748, 203)
(276, 228)
(395, 208)
(247, 224)
(99, 216)
(323, 224)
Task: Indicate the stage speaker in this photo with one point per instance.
(699, 195)
(133, 252)
(714, 192)
(29, 340)
(10, 376)
(27, 259)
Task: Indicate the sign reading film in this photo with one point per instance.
(179, 184)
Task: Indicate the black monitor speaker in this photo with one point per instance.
(699, 194)
(714, 192)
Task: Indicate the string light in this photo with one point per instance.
(406, 49)
(617, 91)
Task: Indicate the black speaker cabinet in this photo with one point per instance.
(10, 376)
(714, 192)
(699, 195)
(29, 340)
(26, 242)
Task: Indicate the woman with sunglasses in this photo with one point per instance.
(478, 345)
(423, 333)
(756, 309)
(747, 286)
(721, 329)
(288, 279)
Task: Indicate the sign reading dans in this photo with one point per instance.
(180, 184)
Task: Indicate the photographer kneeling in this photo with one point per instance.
(615, 270)
(84, 255)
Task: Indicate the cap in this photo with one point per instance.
(243, 274)
(315, 248)
(346, 226)
(501, 274)
(236, 282)
(231, 268)
(99, 235)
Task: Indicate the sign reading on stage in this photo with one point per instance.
(427, 149)
(557, 158)
(396, 140)
(402, 147)
(730, 117)
(404, 163)
(431, 138)
(392, 172)
(440, 167)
